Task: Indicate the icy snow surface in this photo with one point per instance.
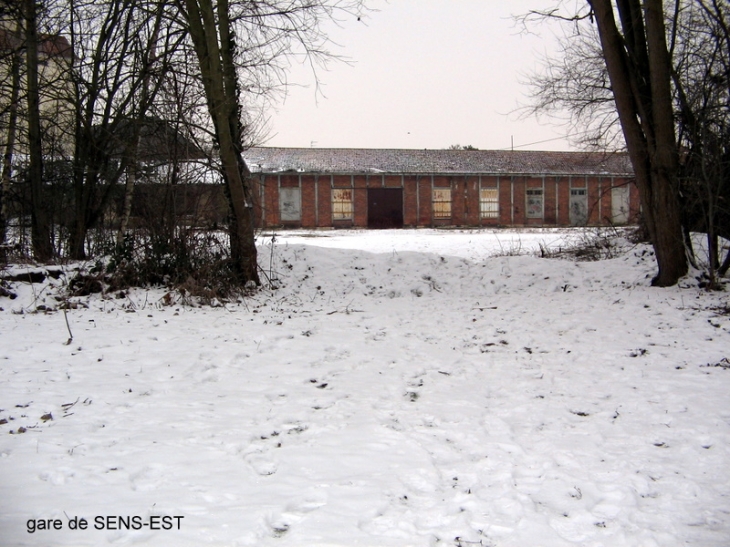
(401, 388)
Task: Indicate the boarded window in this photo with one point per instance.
(290, 204)
(442, 203)
(534, 203)
(342, 208)
(578, 206)
(620, 211)
(489, 203)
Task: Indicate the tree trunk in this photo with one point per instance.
(214, 46)
(40, 231)
(243, 249)
(725, 266)
(132, 150)
(127, 204)
(665, 154)
(7, 170)
(639, 69)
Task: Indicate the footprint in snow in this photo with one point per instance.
(147, 479)
(279, 524)
(58, 476)
(263, 465)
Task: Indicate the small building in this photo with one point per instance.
(369, 188)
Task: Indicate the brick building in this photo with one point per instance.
(368, 188)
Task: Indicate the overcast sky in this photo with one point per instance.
(424, 74)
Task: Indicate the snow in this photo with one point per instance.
(400, 388)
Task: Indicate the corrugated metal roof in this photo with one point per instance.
(395, 161)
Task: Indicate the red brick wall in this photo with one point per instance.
(360, 183)
(550, 198)
(324, 198)
(563, 200)
(458, 207)
(410, 201)
(424, 197)
(605, 200)
(342, 181)
(375, 181)
(271, 200)
(595, 205)
(309, 204)
(317, 205)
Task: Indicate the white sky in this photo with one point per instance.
(424, 74)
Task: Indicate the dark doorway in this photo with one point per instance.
(385, 208)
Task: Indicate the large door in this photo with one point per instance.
(385, 208)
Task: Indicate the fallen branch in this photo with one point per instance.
(68, 327)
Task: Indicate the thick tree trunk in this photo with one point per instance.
(213, 43)
(665, 155)
(243, 248)
(40, 230)
(77, 238)
(639, 70)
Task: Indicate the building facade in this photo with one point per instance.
(55, 57)
(366, 188)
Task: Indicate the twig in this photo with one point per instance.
(70, 336)
(346, 311)
(271, 256)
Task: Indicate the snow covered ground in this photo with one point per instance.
(401, 388)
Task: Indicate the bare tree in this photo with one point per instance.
(130, 71)
(576, 80)
(700, 43)
(272, 30)
(639, 68)
(114, 86)
(29, 108)
(638, 64)
(573, 84)
(40, 229)
(211, 33)
(12, 64)
(147, 53)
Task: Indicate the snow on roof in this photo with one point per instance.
(401, 161)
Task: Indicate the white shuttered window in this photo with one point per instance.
(342, 207)
(442, 203)
(489, 203)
